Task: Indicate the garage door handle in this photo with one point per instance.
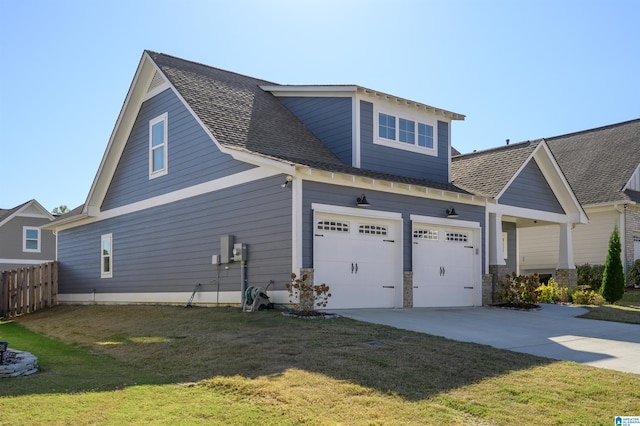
(352, 267)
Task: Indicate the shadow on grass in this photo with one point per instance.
(99, 348)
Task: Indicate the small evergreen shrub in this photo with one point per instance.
(549, 293)
(633, 274)
(613, 276)
(590, 275)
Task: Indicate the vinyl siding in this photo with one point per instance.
(531, 190)
(329, 119)
(314, 192)
(511, 260)
(192, 156)
(401, 162)
(11, 239)
(539, 246)
(168, 248)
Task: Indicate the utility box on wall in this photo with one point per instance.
(226, 249)
(239, 252)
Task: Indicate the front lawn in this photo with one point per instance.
(163, 364)
(626, 309)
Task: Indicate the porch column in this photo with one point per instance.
(497, 265)
(566, 274)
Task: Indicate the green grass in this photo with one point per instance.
(626, 309)
(162, 364)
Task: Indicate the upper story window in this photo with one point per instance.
(415, 133)
(158, 146)
(30, 239)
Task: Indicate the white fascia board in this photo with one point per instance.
(120, 134)
(21, 210)
(366, 183)
(442, 221)
(506, 210)
(355, 211)
(308, 90)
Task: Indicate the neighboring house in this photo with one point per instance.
(22, 242)
(350, 185)
(602, 166)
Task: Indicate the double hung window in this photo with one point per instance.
(158, 149)
(30, 239)
(106, 256)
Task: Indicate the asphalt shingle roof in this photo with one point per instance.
(487, 172)
(240, 115)
(599, 162)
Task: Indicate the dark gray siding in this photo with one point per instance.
(168, 248)
(11, 238)
(330, 119)
(193, 158)
(510, 229)
(336, 195)
(401, 162)
(531, 190)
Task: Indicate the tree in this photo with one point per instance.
(60, 210)
(613, 276)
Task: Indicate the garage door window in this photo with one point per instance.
(332, 225)
(457, 237)
(372, 229)
(425, 234)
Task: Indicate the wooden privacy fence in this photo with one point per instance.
(28, 289)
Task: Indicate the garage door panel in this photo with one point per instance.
(358, 259)
(443, 266)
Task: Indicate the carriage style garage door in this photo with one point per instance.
(445, 266)
(359, 258)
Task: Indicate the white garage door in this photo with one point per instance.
(444, 266)
(359, 259)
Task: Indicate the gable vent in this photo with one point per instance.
(157, 81)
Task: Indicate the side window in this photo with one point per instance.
(30, 239)
(158, 146)
(106, 256)
(387, 126)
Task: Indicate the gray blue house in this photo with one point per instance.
(228, 181)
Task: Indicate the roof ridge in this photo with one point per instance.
(499, 148)
(200, 64)
(595, 129)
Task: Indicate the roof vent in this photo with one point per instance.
(507, 141)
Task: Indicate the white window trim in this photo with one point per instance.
(108, 274)
(162, 118)
(24, 239)
(399, 113)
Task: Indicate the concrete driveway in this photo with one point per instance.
(551, 332)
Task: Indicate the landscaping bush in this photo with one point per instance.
(585, 296)
(590, 275)
(549, 293)
(633, 274)
(519, 289)
(613, 276)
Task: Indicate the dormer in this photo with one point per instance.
(372, 130)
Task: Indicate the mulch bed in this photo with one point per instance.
(310, 314)
(518, 306)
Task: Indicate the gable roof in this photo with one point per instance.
(7, 214)
(599, 162)
(488, 172)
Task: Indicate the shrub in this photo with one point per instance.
(613, 276)
(590, 275)
(304, 296)
(633, 274)
(549, 293)
(519, 289)
(585, 296)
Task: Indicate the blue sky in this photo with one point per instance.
(517, 69)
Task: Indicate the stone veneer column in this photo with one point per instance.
(498, 273)
(487, 289)
(309, 272)
(407, 289)
(567, 278)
